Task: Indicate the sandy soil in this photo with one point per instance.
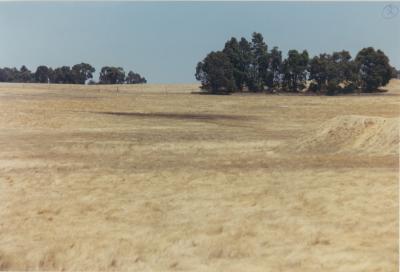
(153, 178)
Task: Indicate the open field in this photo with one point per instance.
(153, 178)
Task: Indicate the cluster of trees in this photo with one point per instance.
(77, 74)
(250, 65)
(116, 75)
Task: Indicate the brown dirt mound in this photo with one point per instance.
(353, 133)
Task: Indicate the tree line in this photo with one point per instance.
(78, 74)
(249, 65)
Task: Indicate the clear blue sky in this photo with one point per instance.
(164, 41)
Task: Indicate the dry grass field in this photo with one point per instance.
(154, 178)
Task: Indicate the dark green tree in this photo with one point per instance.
(215, 73)
(10, 74)
(259, 63)
(112, 75)
(395, 73)
(333, 74)
(347, 70)
(82, 72)
(246, 57)
(25, 75)
(294, 70)
(51, 75)
(43, 74)
(274, 76)
(3, 75)
(134, 78)
(320, 71)
(233, 51)
(373, 68)
(344, 71)
(63, 75)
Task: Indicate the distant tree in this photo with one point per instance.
(274, 77)
(373, 68)
(25, 75)
(3, 75)
(246, 58)
(63, 75)
(78, 74)
(12, 74)
(233, 51)
(344, 72)
(395, 73)
(320, 72)
(346, 67)
(82, 72)
(134, 78)
(294, 70)
(42, 74)
(259, 63)
(51, 75)
(215, 73)
(112, 75)
(333, 74)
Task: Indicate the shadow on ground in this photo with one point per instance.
(178, 116)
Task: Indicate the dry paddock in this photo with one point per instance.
(154, 178)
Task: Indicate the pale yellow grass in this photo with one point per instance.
(153, 178)
(354, 133)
